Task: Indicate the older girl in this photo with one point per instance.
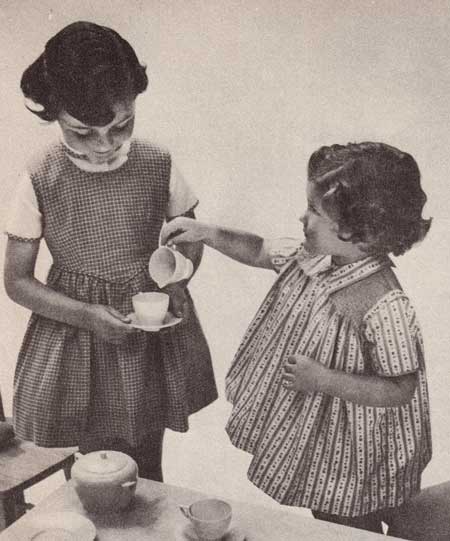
(99, 198)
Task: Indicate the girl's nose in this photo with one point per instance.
(103, 142)
(303, 218)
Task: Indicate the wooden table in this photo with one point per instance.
(22, 464)
(155, 516)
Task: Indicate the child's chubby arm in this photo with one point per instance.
(23, 288)
(242, 246)
(302, 373)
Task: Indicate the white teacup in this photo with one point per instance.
(210, 518)
(168, 265)
(150, 308)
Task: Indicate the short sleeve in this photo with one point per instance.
(181, 196)
(24, 220)
(393, 336)
(282, 251)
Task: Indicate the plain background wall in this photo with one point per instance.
(242, 92)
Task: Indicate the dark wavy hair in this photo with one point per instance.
(84, 70)
(373, 192)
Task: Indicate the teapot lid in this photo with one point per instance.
(105, 462)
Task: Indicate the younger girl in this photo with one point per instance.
(328, 386)
(99, 198)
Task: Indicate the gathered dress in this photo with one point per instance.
(315, 450)
(101, 228)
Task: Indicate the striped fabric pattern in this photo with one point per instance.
(314, 450)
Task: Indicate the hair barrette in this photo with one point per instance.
(33, 106)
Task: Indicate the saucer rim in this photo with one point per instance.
(154, 328)
(188, 533)
(43, 520)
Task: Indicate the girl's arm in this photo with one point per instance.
(241, 246)
(304, 374)
(23, 288)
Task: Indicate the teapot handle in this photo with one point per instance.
(186, 511)
(129, 484)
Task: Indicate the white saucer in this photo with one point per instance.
(233, 534)
(169, 321)
(57, 526)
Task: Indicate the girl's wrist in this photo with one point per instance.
(86, 315)
(211, 235)
(325, 383)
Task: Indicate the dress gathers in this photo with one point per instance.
(311, 449)
(101, 228)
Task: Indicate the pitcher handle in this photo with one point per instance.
(186, 511)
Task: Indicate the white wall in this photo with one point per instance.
(243, 92)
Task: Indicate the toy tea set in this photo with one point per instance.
(166, 266)
(106, 481)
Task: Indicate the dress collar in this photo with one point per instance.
(339, 276)
(82, 163)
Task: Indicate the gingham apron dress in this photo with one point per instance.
(101, 229)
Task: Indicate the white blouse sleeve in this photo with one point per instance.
(24, 221)
(181, 196)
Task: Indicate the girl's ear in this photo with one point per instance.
(342, 233)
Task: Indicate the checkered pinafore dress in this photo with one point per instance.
(101, 229)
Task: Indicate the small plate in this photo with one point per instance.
(169, 321)
(233, 534)
(58, 526)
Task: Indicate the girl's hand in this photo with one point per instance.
(109, 324)
(301, 373)
(178, 299)
(182, 229)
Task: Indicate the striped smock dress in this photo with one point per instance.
(314, 450)
(101, 228)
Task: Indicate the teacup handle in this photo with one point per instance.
(129, 484)
(186, 512)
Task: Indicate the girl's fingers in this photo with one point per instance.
(288, 368)
(170, 238)
(118, 315)
(291, 360)
(179, 238)
(171, 229)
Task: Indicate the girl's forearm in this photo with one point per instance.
(41, 299)
(373, 391)
(241, 246)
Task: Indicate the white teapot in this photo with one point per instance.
(105, 481)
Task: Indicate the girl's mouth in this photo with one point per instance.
(108, 154)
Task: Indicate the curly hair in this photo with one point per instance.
(84, 70)
(373, 192)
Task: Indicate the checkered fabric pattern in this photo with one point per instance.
(101, 229)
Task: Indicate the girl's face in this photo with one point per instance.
(321, 232)
(100, 144)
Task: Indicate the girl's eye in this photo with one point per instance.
(122, 127)
(81, 135)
